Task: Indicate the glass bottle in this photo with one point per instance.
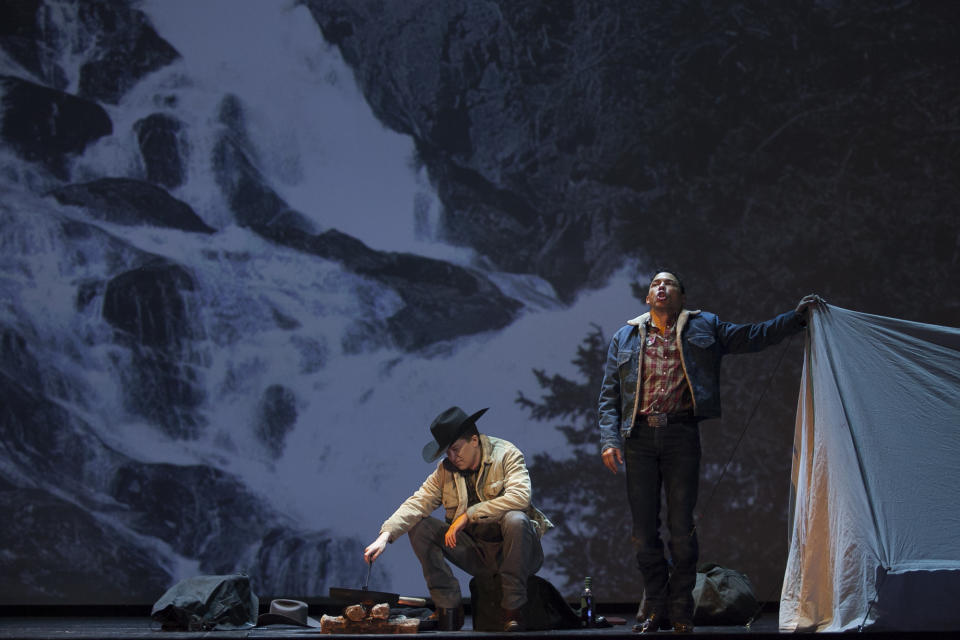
(586, 603)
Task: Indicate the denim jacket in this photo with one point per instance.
(703, 339)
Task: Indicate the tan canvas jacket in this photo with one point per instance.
(503, 484)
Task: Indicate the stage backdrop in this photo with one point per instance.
(249, 249)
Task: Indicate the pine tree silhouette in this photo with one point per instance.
(584, 500)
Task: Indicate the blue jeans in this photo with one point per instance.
(508, 546)
(667, 459)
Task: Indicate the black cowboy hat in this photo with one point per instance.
(447, 429)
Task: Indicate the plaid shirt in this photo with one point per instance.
(665, 389)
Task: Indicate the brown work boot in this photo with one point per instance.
(683, 626)
(449, 619)
(651, 623)
(513, 620)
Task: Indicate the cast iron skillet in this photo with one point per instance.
(368, 597)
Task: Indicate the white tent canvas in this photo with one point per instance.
(875, 524)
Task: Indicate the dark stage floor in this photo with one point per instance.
(130, 628)
(138, 627)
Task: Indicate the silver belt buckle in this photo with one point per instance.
(656, 420)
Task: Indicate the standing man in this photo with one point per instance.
(662, 376)
(491, 524)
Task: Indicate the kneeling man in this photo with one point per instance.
(491, 524)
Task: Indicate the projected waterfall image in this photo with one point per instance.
(249, 250)
(207, 396)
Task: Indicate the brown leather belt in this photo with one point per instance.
(658, 420)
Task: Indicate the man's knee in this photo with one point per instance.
(425, 533)
(514, 522)
(648, 549)
(522, 553)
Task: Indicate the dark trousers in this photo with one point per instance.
(668, 459)
(508, 547)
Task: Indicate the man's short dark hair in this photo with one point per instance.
(671, 272)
